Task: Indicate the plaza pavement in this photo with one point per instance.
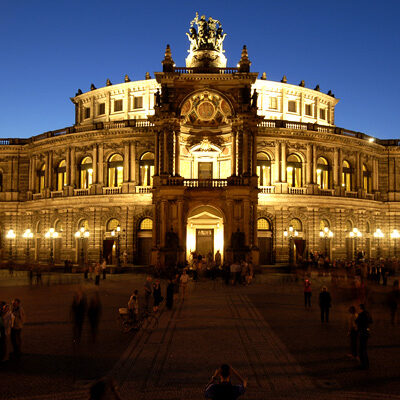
(262, 330)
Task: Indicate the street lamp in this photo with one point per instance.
(290, 234)
(51, 234)
(355, 234)
(11, 236)
(326, 234)
(378, 235)
(28, 235)
(395, 235)
(116, 233)
(82, 234)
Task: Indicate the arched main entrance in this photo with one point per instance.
(205, 231)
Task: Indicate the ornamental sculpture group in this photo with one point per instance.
(208, 36)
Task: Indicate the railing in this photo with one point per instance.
(37, 196)
(56, 193)
(81, 192)
(297, 190)
(143, 189)
(369, 196)
(111, 190)
(205, 183)
(326, 192)
(267, 189)
(186, 70)
(351, 194)
(295, 125)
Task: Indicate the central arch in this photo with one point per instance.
(205, 231)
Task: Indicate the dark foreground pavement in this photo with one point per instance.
(262, 330)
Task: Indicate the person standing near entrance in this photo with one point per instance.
(184, 279)
(148, 289)
(104, 268)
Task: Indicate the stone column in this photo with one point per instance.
(68, 167)
(94, 161)
(155, 226)
(233, 158)
(108, 106)
(309, 164)
(132, 175)
(180, 223)
(177, 154)
(73, 168)
(34, 172)
(314, 166)
(46, 172)
(245, 152)
(283, 162)
(163, 221)
(336, 179)
(156, 153)
(30, 174)
(100, 177)
(277, 163)
(165, 151)
(50, 170)
(126, 162)
(340, 167)
(358, 168)
(254, 163)
(246, 221)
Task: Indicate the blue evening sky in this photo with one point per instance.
(49, 49)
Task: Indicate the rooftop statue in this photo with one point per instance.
(208, 36)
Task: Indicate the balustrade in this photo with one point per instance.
(56, 193)
(81, 192)
(326, 192)
(111, 190)
(143, 189)
(267, 189)
(351, 194)
(297, 190)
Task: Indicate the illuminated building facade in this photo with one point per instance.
(203, 157)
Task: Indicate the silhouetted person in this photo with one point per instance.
(170, 294)
(307, 294)
(352, 331)
(324, 304)
(18, 320)
(220, 386)
(94, 314)
(363, 321)
(393, 301)
(104, 389)
(78, 311)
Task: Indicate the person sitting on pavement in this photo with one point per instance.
(220, 386)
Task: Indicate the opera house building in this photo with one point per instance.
(201, 158)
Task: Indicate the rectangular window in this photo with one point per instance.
(273, 103)
(138, 102)
(292, 106)
(309, 110)
(87, 112)
(102, 108)
(117, 105)
(322, 114)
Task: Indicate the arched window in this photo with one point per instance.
(263, 224)
(112, 225)
(263, 169)
(366, 179)
(41, 175)
(323, 173)
(61, 173)
(294, 171)
(297, 225)
(58, 226)
(347, 176)
(349, 226)
(367, 227)
(323, 224)
(83, 223)
(146, 224)
(85, 173)
(115, 170)
(146, 165)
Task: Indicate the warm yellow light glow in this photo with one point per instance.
(371, 140)
(11, 234)
(90, 170)
(27, 234)
(378, 233)
(395, 234)
(289, 169)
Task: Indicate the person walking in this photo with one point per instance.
(307, 294)
(363, 322)
(94, 314)
(104, 268)
(324, 304)
(157, 295)
(78, 311)
(17, 323)
(7, 322)
(170, 294)
(183, 281)
(220, 386)
(148, 288)
(97, 272)
(352, 331)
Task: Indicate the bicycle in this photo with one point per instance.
(147, 321)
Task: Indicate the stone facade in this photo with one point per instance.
(198, 159)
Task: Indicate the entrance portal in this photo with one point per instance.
(205, 231)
